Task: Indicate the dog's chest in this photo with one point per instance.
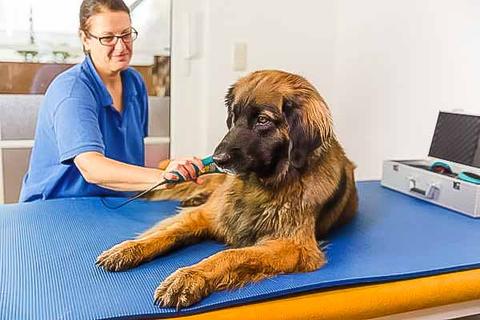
(252, 217)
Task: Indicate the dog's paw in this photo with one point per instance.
(181, 289)
(125, 255)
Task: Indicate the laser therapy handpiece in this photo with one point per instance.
(208, 167)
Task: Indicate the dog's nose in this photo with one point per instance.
(221, 158)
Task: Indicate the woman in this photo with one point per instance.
(90, 129)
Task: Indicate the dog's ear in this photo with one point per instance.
(303, 134)
(229, 98)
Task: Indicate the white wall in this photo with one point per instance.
(396, 64)
(384, 67)
(189, 90)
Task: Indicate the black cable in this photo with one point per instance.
(210, 167)
(138, 195)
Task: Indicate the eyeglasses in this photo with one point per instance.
(111, 41)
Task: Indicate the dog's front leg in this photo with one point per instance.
(233, 268)
(189, 226)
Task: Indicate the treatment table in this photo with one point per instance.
(399, 254)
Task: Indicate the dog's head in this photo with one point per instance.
(275, 120)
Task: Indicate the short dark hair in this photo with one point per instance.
(89, 8)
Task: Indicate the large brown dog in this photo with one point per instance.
(292, 184)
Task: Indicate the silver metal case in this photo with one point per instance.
(456, 144)
(413, 178)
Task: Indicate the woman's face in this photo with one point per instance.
(111, 58)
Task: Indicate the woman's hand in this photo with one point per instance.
(185, 167)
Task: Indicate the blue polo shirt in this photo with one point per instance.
(77, 116)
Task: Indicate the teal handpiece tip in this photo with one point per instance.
(209, 166)
(207, 161)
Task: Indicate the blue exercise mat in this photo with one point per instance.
(48, 251)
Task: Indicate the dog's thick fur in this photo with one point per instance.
(292, 184)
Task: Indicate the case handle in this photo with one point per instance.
(430, 193)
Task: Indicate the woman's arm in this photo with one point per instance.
(115, 175)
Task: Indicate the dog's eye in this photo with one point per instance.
(262, 120)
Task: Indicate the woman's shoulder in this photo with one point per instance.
(69, 83)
